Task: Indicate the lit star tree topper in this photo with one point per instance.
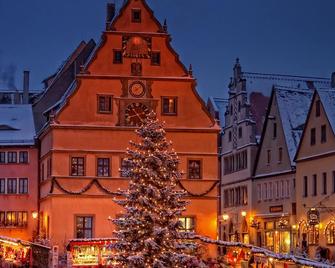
(148, 233)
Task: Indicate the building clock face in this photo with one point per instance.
(135, 114)
(137, 89)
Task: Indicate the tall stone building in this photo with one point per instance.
(86, 132)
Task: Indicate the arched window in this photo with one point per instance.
(330, 233)
(313, 235)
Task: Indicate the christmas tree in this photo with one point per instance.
(148, 233)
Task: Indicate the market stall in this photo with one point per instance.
(19, 253)
(90, 253)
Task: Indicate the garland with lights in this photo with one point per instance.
(55, 183)
(148, 233)
(197, 195)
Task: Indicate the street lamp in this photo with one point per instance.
(244, 214)
(225, 217)
(34, 214)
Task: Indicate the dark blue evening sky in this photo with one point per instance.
(274, 36)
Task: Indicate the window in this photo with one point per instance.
(136, 69)
(280, 155)
(317, 108)
(305, 186)
(239, 132)
(268, 157)
(77, 166)
(313, 136)
(231, 109)
(324, 182)
(239, 106)
(2, 186)
(270, 191)
(282, 185)
(169, 105)
(323, 134)
(265, 191)
(11, 186)
(194, 169)
(230, 136)
(330, 234)
(136, 15)
(315, 185)
(313, 235)
(2, 218)
(2, 157)
(42, 172)
(12, 157)
(259, 192)
(49, 167)
(187, 224)
(103, 167)
(23, 157)
(104, 104)
(11, 219)
(23, 186)
(274, 130)
(276, 189)
(22, 218)
(118, 59)
(126, 167)
(155, 58)
(333, 181)
(84, 227)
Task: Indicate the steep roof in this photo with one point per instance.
(293, 106)
(61, 81)
(327, 97)
(16, 125)
(263, 82)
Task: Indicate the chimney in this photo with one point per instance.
(110, 14)
(25, 99)
(333, 80)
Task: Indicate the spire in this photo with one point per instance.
(165, 27)
(237, 70)
(190, 71)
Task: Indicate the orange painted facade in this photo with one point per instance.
(19, 203)
(147, 74)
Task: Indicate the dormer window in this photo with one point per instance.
(136, 15)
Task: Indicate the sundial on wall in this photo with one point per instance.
(136, 47)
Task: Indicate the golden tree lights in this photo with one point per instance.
(148, 233)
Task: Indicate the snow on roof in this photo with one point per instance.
(293, 108)
(328, 102)
(261, 82)
(17, 125)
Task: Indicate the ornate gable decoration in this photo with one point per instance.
(136, 47)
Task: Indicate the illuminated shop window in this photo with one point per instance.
(330, 233)
(187, 224)
(84, 227)
(313, 235)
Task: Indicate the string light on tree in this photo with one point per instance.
(148, 233)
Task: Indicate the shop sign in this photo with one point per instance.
(313, 217)
(276, 209)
